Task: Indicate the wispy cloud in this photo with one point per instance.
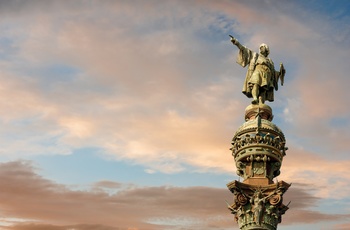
(156, 84)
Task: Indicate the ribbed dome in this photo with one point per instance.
(259, 125)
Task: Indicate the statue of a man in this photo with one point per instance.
(261, 78)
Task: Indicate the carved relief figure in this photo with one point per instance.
(258, 203)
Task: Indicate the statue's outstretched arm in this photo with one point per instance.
(236, 42)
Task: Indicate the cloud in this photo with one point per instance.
(40, 203)
(301, 166)
(157, 85)
(342, 226)
(160, 89)
(108, 184)
(127, 90)
(302, 206)
(26, 195)
(29, 226)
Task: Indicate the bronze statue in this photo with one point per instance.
(258, 147)
(261, 78)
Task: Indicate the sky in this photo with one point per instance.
(119, 115)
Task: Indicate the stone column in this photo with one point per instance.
(258, 148)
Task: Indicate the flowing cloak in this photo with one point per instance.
(260, 71)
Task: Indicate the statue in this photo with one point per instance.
(261, 78)
(258, 201)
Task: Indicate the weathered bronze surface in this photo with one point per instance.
(258, 207)
(258, 147)
(261, 78)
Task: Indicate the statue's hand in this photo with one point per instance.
(233, 40)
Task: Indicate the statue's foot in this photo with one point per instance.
(255, 101)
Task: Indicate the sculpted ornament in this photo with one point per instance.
(258, 206)
(261, 79)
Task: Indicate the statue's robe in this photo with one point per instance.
(260, 71)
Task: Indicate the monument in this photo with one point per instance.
(258, 146)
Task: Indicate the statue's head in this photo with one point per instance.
(264, 49)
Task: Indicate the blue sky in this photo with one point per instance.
(120, 114)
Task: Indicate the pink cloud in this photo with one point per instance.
(342, 226)
(26, 195)
(151, 90)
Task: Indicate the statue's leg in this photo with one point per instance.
(255, 94)
(262, 95)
